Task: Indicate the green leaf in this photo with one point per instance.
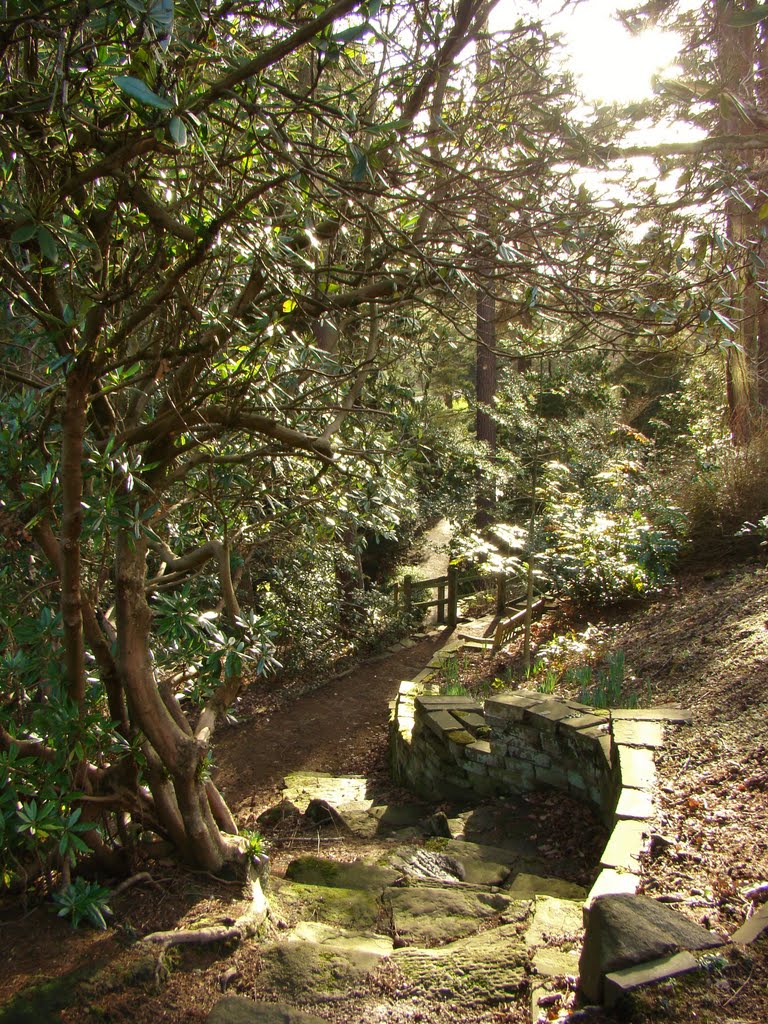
(138, 90)
(727, 324)
(24, 233)
(178, 132)
(746, 18)
(349, 35)
(360, 168)
(47, 243)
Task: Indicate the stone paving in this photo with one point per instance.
(468, 922)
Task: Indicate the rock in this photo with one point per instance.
(483, 970)
(525, 886)
(359, 874)
(626, 930)
(358, 909)
(433, 865)
(283, 812)
(239, 1010)
(317, 961)
(437, 825)
(425, 916)
(321, 814)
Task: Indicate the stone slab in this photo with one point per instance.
(635, 803)
(619, 983)
(548, 714)
(470, 719)
(431, 702)
(488, 865)
(356, 909)
(527, 886)
(677, 716)
(637, 767)
(632, 733)
(586, 721)
(440, 722)
(625, 931)
(556, 963)
(753, 928)
(481, 971)
(626, 843)
(425, 916)
(611, 882)
(554, 921)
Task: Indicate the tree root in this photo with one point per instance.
(244, 928)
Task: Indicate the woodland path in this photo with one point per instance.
(340, 727)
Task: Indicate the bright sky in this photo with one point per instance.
(611, 64)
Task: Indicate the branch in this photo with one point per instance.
(273, 54)
(173, 421)
(712, 144)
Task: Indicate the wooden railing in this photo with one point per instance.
(448, 590)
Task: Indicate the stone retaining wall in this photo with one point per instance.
(456, 748)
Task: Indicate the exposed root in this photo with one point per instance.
(244, 928)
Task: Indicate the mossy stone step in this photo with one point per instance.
(428, 916)
(358, 909)
(358, 874)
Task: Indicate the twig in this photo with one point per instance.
(138, 879)
(740, 989)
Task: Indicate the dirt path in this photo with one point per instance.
(340, 727)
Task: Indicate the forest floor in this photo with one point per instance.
(702, 643)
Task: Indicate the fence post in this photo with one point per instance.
(408, 594)
(441, 603)
(453, 596)
(501, 593)
(396, 597)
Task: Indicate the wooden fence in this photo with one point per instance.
(448, 589)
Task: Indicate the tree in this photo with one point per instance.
(199, 260)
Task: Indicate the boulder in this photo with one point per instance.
(626, 930)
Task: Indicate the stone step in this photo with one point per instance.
(429, 916)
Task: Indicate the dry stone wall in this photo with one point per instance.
(454, 747)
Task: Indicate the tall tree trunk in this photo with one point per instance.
(747, 359)
(485, 360)
(73, 432)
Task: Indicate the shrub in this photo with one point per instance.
(83, 901)
(728, 489)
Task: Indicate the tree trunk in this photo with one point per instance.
(73, 432)
(174, 756)
(747, 359)
(485, 359)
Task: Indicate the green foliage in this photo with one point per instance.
(600, 685)
(605, 687)
(255, 844)
(598, 548)
(82, 900)
(449, 678)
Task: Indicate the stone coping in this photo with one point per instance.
(524, 740)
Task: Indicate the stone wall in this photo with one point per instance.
(452, 747)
